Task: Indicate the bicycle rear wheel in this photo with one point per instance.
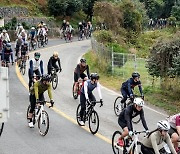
(1, 129)
(30, 46)
(23, 69)
(39, 43)
(75, 94)
(43, 123)
(34, 45)
(118, 107)
(116, 148)
(54, 81)
(93, 122)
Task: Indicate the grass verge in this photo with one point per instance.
(153, 94)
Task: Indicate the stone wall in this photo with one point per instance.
(10, 12)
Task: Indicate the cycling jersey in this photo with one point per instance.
(80, 27)
(41, 31)
(63, 27)
(89, 87)
(36, 65)
(5, 37)
(24, 50)
(156, 139)
(128, 114)
(39, 88)
(174, 120)
(53, 61)
(80, 69)
(130, 84)
(33, 34)
(6, 54)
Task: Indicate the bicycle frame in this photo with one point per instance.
(39, 112)
(135, 141)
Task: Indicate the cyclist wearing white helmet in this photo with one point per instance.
(126, 116)
(157, 137)
(4, 36)
(32, 34)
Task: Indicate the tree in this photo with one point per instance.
(64, 7)
(167, 8)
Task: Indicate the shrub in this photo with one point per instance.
(117, 48)
(104, 36)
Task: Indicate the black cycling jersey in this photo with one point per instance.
(80, 27)
(80, 69)
(129, 113)
(52, 62)
(130, 84)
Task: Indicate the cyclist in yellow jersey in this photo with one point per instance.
(37, 94)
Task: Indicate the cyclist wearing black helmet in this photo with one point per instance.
(87, 95)
(128, 86)
(79, 72)
(6, 53)
(37, 94)
(36, 66)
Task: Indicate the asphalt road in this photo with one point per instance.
(64, 136)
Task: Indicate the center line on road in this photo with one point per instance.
(56, 109)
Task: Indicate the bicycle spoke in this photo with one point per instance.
(93, 122)
(43, 123)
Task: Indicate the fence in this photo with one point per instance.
(122, 64)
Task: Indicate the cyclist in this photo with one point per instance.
(126, 116)
(81, 28)
(128, 86)
(41, 32)
(174, 131)
(87, 95)
(32, 34)
(5, 37)
(79, 72)
(19, 42)
(156, 137)
(36, 66)
(22, 33)
(63, 28)
(6, 53)
(69, 29)
(52, 63)
(37, 94)
(90, 28)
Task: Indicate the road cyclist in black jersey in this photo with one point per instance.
(126, 116)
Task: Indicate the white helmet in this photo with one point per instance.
(20, 27)
(19, 37)
(139, 102)
(4, 31)
(163, 125)
(32, 28)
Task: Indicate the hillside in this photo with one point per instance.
(34, 6)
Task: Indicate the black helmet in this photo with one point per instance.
(37, 54)
(94, 76)
(135, 74)
(45, 77)
(8, 45)
(83, 60)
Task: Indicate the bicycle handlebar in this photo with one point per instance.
(140, 132)
(94, 102)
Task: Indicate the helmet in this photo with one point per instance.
(19, 37)
(45, 77)
(19, 24)
(55, 54)
(32, 28)
(135, 74)
(42, 22)
(80, 23)
(8, 45)
(26, 43)
(37, 54)
(67, 23)
(83, 60)
(20, 27)
(64, 21)
(4, 31)
(94, 76)
(163, 125)
(139, 102)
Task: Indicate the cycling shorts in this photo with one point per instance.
(82, 76)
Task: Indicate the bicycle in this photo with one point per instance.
(68, 37)
(81, 35)
(118, 107)
(90, 115)
(22, 64)
(54, 78)
(41, 41)
(32, 45)
(46, 40)
(131, 145)
(41, 117)
(79, 85)
(1, 128)
(5, 64)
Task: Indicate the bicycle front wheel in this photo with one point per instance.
(93, 122)
(54, 81)
(118, 106)
(115, 138)
(75, 93)
(1, 129)
(43, 123)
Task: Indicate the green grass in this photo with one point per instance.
(153, 94)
